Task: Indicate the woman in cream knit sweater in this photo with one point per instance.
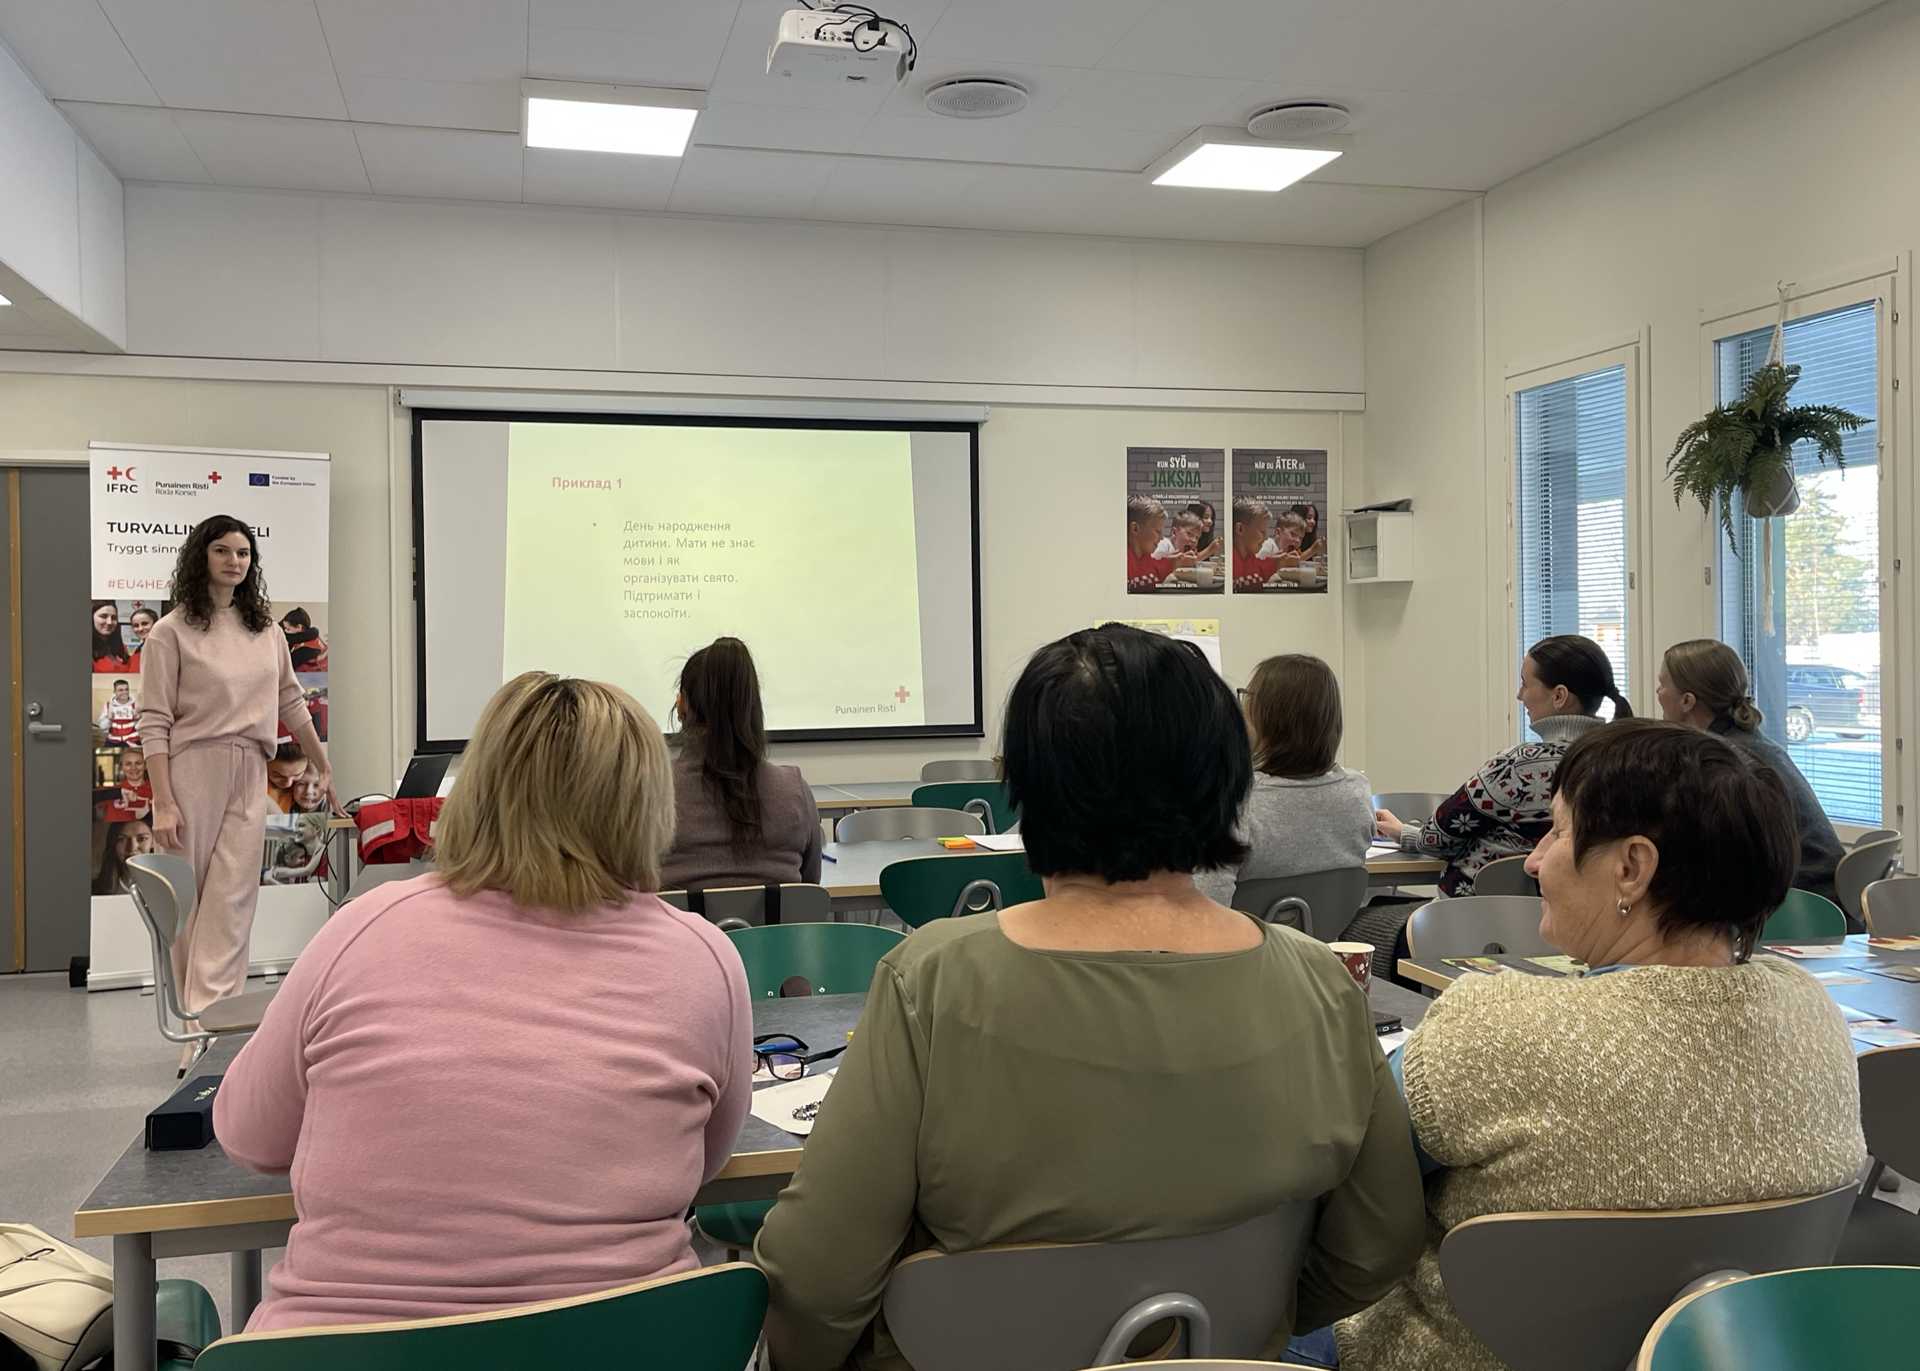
(1677, 1073)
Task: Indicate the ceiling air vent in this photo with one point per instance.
(976, 98)
(1298, 119)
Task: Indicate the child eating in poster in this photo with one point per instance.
(1146, 569)
(1255, 556)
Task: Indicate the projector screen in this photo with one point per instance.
(845, 554)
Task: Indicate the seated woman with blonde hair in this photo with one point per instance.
(503, 1082)
(1675, 1074)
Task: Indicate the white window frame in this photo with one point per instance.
(1628, 355)
(1884, 288)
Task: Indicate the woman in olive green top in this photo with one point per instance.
(1123, 1059)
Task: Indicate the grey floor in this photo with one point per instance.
(78, 1073)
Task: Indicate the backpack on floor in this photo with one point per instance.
(56, 1302)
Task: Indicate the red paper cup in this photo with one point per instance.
(1358, 959)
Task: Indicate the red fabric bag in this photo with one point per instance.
(396, 830)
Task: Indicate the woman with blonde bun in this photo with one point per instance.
(1704, 683)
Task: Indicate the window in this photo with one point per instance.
(1815, 664)
(1570, 452)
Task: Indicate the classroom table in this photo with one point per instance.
(851, 795)
(1875, 994)
(178, 1204)
(851, 871)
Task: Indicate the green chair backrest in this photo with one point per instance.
(922, 889)
(1802, 917)
(955, 794)
(1825, 1316)
(706, 1320)
(835, 959)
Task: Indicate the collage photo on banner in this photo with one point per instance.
(1176, 539)
(1279, 521)
(140, 495)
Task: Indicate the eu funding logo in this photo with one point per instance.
(259, 478)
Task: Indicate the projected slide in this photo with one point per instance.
(842, 556)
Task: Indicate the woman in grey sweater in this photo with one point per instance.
(1305, 811)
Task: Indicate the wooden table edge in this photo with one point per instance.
(1413, 971)
(852, 892)
(854, 802)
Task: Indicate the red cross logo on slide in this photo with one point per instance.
(901, 694)
(214, 476)
(113, 473)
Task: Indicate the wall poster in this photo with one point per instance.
(1176, 542)
(1279, 521)
(145, 500)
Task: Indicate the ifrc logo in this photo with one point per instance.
(120, 480)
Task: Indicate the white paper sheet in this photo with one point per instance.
(775, 1104)
(1000, 842)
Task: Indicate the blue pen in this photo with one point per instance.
(829, 857)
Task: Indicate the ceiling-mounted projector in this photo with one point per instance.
(846, 47)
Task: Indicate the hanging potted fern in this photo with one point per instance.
(1746, 446)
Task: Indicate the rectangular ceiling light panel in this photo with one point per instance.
(1244, 166)
(586, 127)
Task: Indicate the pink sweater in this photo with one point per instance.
(484, 1106)
(217, 683)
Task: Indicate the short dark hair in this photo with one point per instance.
(1293, 703)
(1721, 821)
(1125, 753)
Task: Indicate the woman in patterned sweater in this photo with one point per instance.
(1503, 809)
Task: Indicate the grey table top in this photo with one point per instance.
(853, 869)
(863, 794)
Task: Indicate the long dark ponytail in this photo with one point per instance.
(725, 721)
(1577, 663)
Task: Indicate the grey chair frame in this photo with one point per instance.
(1409, 806)
(961, 769)
(1318, 903)
(1469, 925)
(1860, 868)
(907, 821)
(1061, 1307)
(1578, 1291)
(745, 906)
(162, 887)
(1873, 835)
(1505, 876)
(1897, 899)
(1880, 1233)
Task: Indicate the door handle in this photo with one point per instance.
(41, 730)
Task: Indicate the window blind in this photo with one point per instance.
(1570, 441)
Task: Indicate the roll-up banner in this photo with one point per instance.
(146, 499)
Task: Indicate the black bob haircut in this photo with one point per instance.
(1126, 754)
(1721, 821)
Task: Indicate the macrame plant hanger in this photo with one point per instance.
(1776, 355)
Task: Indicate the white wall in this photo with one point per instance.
(224, 273)
(62, 255)
(1798, 170)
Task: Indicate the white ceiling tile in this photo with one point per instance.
(1062, 33)
(769, 126)
(1135, 100)
(967, 140)
(252, 56)
(432, 40)
(633, 59)
(1308, 214)
(433, 104)
(73, 52)
(1381, 45)
(608, 180)
(681, 18)
(1062, 145)
(887, 192)
(788, 175)
(1028, 200)
(1245, 39)
(283, 154)
(450, 164)
(140, 143)
(684, 201)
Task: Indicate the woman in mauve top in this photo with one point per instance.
(1123, 1059)
(503, 1082)
(216, 687)
(738, 819)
